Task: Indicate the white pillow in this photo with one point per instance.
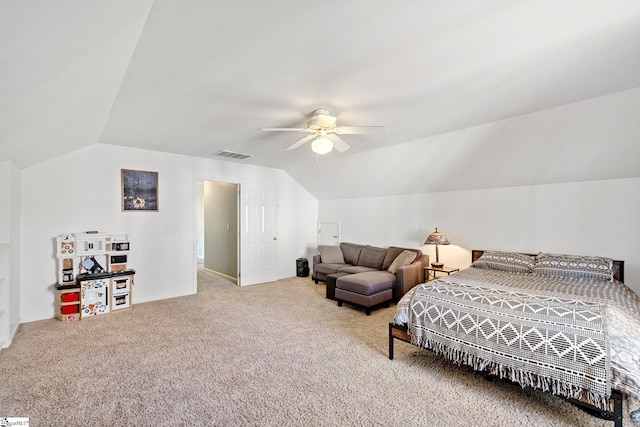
(331, 254)
(405, 258)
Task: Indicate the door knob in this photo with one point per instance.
(275, 238)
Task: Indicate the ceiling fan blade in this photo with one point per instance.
(362, 130)
(339, 143)
(300, 142)
(285, 129)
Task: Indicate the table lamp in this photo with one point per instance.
(437, 238)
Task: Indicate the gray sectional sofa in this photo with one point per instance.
(367, 275)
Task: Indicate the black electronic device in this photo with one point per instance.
(302, 267)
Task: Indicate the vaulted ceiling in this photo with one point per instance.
(195, 77)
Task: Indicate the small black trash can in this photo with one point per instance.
(302, 267)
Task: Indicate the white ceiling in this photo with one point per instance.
(195, 77)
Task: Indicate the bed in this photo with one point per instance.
(558, 323)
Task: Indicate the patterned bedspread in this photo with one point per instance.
(573, 337)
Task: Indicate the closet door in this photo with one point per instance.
(329, 233)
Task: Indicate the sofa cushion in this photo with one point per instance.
(405, 258)
(353, 269)
(331, 254)
(351, 252)
(392, 254)
(368, 283)
(373, 257)
(328, 268)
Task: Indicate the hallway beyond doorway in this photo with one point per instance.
(209, 280)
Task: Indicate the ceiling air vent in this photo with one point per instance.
(231, 155)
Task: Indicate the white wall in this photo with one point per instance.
(81, 191)
(584, 218)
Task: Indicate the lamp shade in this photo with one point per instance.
(437, 238)
(321, 145)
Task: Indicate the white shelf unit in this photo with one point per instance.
(94, 265)
(4, 295)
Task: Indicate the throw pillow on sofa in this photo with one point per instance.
(405, 258)
(331, 254)
(351, 252)
(372, 257)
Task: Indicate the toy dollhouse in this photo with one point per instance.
(93, 278)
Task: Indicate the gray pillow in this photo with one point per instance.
(506, 261)
(574, 266)
(405, 258)
(330, 254)
(371, 256)
(351, 252)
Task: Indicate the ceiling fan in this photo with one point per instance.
(323, 133)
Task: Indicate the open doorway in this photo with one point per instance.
(217, 235)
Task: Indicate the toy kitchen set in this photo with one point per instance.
(93, 278)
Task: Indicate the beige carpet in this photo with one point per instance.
(277, 354)
(209, 280)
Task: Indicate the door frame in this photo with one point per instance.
(242, 188)
(199, 179)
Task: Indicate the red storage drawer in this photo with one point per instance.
(70, 309)
(71, 297)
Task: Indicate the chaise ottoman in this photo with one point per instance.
(367, 289)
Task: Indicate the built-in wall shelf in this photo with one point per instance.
(4, 264)
(4, 261)
(4, 295)
(9, 253)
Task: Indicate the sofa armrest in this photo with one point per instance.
(316, 260)
(409, 276)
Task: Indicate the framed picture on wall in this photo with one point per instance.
(139, 190)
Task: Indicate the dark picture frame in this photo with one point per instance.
(139, 190)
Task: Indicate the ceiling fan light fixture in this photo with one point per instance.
(320, 126)
(321, 145)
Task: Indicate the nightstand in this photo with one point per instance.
(430, 272)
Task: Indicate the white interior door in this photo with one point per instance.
(259, 238)
(328, 233)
